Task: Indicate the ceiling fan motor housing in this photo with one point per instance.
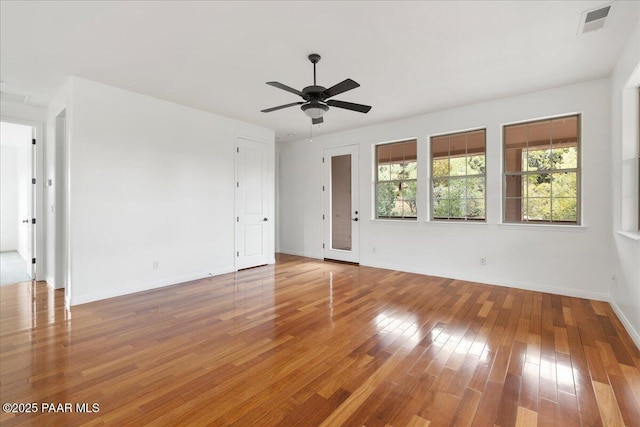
(314, 92)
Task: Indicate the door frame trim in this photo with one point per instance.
(270, 199)
(355, 183)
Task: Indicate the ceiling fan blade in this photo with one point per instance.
(285, 87)
(349, 106)
(317, 121)
(340, 88)
(268, 110)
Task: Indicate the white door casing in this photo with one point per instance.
(253, 222)
(340, 200)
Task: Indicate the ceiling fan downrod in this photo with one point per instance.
(314, 58)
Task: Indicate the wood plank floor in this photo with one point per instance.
(312, 343)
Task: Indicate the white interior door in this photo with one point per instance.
(341, 211)
(31, 203)
(252, 204)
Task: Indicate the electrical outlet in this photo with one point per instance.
(374, 250)
(483, 261)
(155, 265)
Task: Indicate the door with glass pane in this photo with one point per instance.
(341, 211)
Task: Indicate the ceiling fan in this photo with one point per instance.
(316, 98)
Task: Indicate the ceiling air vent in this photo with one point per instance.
(591, 20)
(12, 96)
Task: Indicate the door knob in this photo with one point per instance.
(354, 219)
(25, 221)
(265, 219)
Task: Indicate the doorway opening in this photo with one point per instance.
(17, 203)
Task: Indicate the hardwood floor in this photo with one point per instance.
(315, 343)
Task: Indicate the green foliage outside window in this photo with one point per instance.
(541, 171)
(396, 189)
(550, 193)
(458, 176)
(463, 197)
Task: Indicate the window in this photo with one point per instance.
(396, 180)
(458, 176)
(542, 171)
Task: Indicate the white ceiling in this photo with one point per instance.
(409, 57)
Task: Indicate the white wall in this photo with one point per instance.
(8, 198)
(565, 260)
(300, 198)
(148, 181)
(625, 290)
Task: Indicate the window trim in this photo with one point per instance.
(375, 181)
(464, 220)
(577, 170)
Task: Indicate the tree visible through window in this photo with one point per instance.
(458, 176)
(396, 180)
(541, 167)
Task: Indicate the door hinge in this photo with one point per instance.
(33, 141)
(237, 219)
(33, 180)
(322, 216)
(33, 220)
(238, 184)
(323, 188)
(238, 253)
(237, 149)
(323, 160)
(323, 246)
(33, 260)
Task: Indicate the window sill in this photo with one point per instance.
(455, 223)
(630, 235)
(399, 220)
(545, 227)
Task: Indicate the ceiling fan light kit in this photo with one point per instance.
(315, 110)
(316, 98)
